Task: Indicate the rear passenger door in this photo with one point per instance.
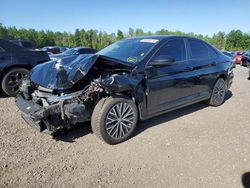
(204, 61)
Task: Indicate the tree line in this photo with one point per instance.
(234, 40)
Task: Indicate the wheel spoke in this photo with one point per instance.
(219, 91)
(119, 120)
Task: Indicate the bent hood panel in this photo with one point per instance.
(64, 73)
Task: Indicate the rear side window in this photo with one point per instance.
(212, 52)
(198, 49)
(27, 45)
(174, 49)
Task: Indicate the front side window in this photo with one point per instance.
(198, 49)
(175, 49)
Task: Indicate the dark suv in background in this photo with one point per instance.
(15, 62)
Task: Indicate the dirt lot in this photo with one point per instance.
(198, 146)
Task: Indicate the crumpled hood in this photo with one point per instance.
(64, 73)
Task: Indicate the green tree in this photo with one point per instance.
(219, 40)
(131, 32)
(119, 35)
(234, 40)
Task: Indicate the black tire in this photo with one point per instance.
(218, 94)
(11, 86)
(103, 112)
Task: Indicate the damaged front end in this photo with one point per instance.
(55, 97)
(50, 113)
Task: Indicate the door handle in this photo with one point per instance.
(214, 63)
(187, 69)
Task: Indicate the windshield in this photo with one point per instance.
(69, 51)
(129, 50)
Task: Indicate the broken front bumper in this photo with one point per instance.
(52, 118)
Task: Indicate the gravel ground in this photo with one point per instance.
(197, 146)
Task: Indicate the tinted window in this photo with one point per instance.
(174, 49)
(27, 45)
(213, 53)
(198, 49)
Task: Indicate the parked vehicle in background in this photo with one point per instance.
(245, 60)
(227, 53)
(237, 57)
(15, 63)
(73, 52)
(24, 43)
(230, 55)
(63, 48)
(249, 72)
(51, 49)
(130, 80)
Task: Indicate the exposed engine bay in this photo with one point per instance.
(52, 109)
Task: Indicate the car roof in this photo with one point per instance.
(162, 37)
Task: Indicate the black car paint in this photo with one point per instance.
(16, 56)
(245, 60)
(155, 90)
(77, 52)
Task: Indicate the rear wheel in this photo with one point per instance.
(218, 94)
(114, 119)
(12, 80)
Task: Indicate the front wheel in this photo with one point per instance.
(12, 80)
(114, 119)
(218, 93)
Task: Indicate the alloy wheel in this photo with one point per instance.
(219, 91)
(120, 120)
(15, 80)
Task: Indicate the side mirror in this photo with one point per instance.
(77, 53)
(162, 60)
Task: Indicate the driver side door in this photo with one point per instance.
(169, 86)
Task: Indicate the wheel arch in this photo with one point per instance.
(224, 77)
(130, 94)
(7, 69)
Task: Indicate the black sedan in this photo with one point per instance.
(73, 52)
(15, 62)
(130, 80)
